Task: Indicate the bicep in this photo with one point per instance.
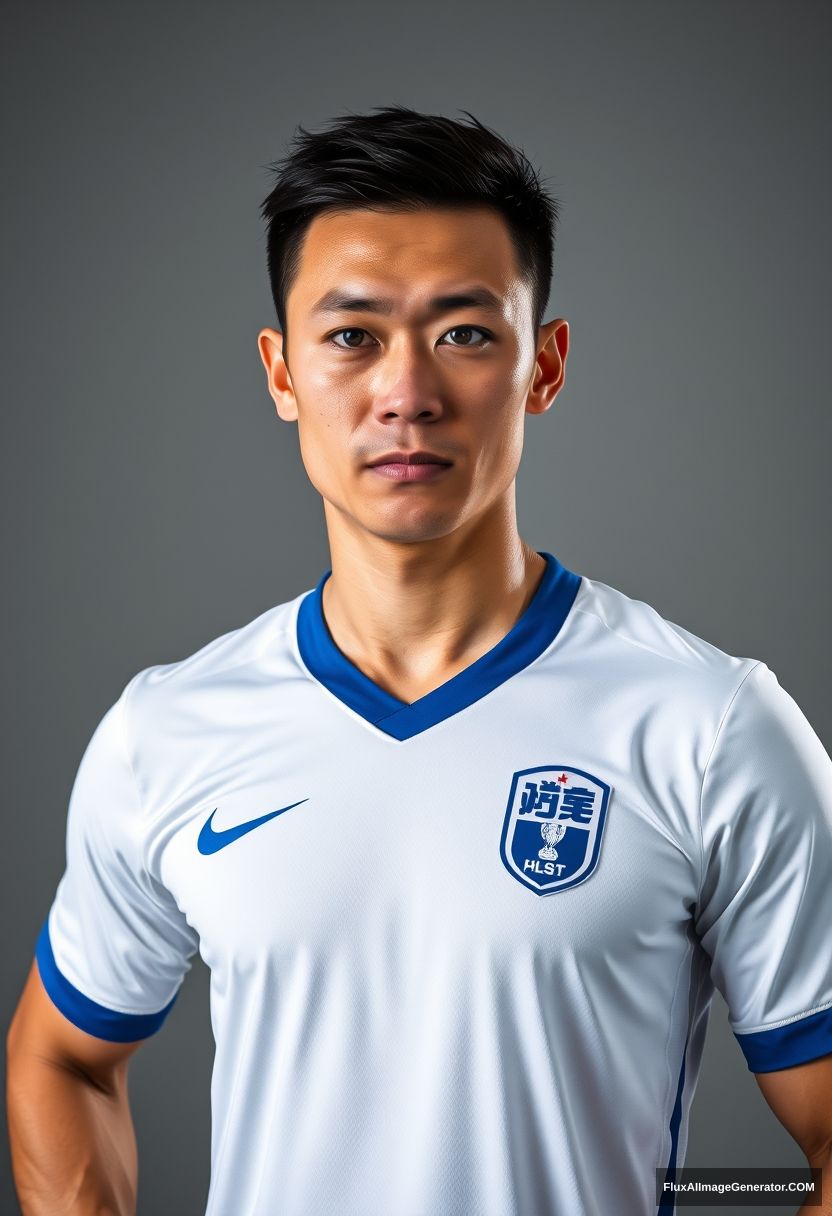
(801, 1098)
(39, 1028)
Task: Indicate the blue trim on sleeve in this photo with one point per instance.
(535, 629)
(784, 1046)
(87, 1014)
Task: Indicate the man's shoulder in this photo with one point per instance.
(639, 642)
(261, 646)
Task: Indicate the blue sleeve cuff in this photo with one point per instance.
(784, 1046)
(87, 1014)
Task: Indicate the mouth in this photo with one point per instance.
(409, 466)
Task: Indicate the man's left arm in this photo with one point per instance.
(801, 1098)
(765, 904)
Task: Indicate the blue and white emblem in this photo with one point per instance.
(553, 826)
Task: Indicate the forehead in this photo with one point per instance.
(405, 254)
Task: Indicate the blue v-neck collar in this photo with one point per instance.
(536, 629)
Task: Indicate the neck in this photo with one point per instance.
(411, 615)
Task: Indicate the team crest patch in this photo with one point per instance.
(553, 826)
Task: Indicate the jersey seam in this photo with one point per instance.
(270, 632)
(727, 710)
(123, 701)
(124, 742)
(794, 1017)
(214, 671)
(589, 610)
(67, 972)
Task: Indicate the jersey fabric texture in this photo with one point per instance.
(462, 951)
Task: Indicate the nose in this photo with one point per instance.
(407, 386)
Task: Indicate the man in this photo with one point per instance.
(465, 838)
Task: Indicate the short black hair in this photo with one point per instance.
(397, 158)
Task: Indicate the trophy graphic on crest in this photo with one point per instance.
(551, 832)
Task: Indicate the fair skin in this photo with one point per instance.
(426, 576)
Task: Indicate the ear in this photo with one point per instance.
(550, 365)
(270, 345)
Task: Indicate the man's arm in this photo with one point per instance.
(73, 1145)
(801, 1098)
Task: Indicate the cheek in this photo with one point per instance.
(500, 387)
(325, 439)
(498, 414)
(508, 449)
(328, 402)
(315, 439)
(508, 408)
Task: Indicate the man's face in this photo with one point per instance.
(416, 371)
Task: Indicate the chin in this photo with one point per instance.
(399, 522)
(412, 531)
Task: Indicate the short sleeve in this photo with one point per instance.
(764, 913)
(115, 947)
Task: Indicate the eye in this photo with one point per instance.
(350, 345)
(470, 329)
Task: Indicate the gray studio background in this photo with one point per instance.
(152, 500)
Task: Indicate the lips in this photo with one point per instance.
(408, 458)
(409, 466)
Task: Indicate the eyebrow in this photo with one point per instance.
(474, 297)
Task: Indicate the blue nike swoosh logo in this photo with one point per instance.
(211, 842)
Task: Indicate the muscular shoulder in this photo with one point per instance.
(640, 647)
(176, 714)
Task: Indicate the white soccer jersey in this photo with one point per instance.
(462, 951)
